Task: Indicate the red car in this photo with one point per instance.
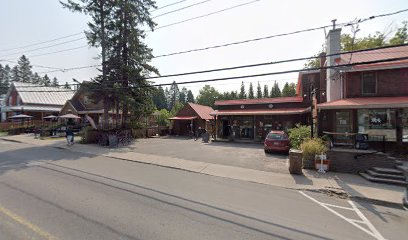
(277, 141)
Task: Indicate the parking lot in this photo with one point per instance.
(247, 155)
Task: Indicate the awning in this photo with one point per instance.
(367, 102)
(183, 118)
(281, 111)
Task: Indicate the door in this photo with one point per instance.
(344, 125)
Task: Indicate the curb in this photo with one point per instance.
(343, 194)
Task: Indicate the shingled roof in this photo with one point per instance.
(202, 111)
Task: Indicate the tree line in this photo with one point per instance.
(379, 39)
(22, 72)
(172, 97)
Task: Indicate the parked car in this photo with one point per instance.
(276, 141)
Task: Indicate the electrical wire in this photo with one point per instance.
(206, 15)
(39, 43)
(252, 75)
(168, 5)
(177, 10)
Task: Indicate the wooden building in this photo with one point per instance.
(190, 118)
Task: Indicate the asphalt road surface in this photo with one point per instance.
(49, 193)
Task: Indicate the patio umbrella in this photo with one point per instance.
(20, 116)
(50, 117)
(69, 116)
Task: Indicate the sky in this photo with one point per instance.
(25, 23)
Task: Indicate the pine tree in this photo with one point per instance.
(174, 94)
(4, 79)
(46, 81)
(266, 91)
(67, 86)
(259, 91)
(234, 95)
(190, 97)
(286, 92)
(36, 79)
(292, 87)
(251, 91)
(24, 68)
(275, 91)
(15, 74)
(183, 95)
(159, 98)
(242, 94)
(54, 82)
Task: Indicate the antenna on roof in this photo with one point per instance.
(334, 23)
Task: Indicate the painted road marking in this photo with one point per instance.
(27, 224)
(372, 231)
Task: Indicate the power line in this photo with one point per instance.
(36, 65)
(168, 5)
(40, 48)
(177, 10)
(363, 51)
(240, 42)
(39, 43)
(256, 75)
(63, 50)
(207, 15)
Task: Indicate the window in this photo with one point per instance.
(377, 123)
(369, 83)
(87, 100)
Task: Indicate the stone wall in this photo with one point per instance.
(343, 160)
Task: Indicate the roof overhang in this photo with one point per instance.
(183, 118)
(282, 111)
(364, 103)
(31, 108)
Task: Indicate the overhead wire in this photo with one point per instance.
(168, 5)
(180, 9)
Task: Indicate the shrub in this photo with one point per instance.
(298, 134)
(312, 147)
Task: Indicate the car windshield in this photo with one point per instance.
(276, 136)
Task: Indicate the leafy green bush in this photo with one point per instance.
(298, 134)
(312, 147)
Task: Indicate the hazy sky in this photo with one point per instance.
(24, 22)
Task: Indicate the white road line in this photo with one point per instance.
(344, 218)
(371, 226)
(336, 206)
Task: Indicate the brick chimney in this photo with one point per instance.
(333, 81)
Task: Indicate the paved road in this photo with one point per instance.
(246, 155)
(49, 193)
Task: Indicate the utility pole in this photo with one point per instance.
(313, 108)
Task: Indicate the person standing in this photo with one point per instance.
(69, 134)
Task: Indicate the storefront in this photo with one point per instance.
(384, 120)
(256, 124)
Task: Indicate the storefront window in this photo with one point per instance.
(377, 123)
(243, 127)
(404, 119)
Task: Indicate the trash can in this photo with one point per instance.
(206, 137)
(295, 161)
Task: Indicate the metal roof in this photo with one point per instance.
(281, 111)
(37, 94)
(259, 101)
(366, 102)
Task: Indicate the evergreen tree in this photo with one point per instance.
(242, 94)
(275, 91)
(234, 95)
(36, 79)
(259, 91)
(251, 91)
(159, 98)
(46, 81)
(4, 79)
(24, 68)
(289, 90)
(190, 97)
(174, 94)
(265, 91)
(207, 96)
(54, 82)
(118, 28)
(183, 95)
(15, 74)
(401, 36)
(67, 86)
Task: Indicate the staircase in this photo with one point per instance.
(393, 176)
